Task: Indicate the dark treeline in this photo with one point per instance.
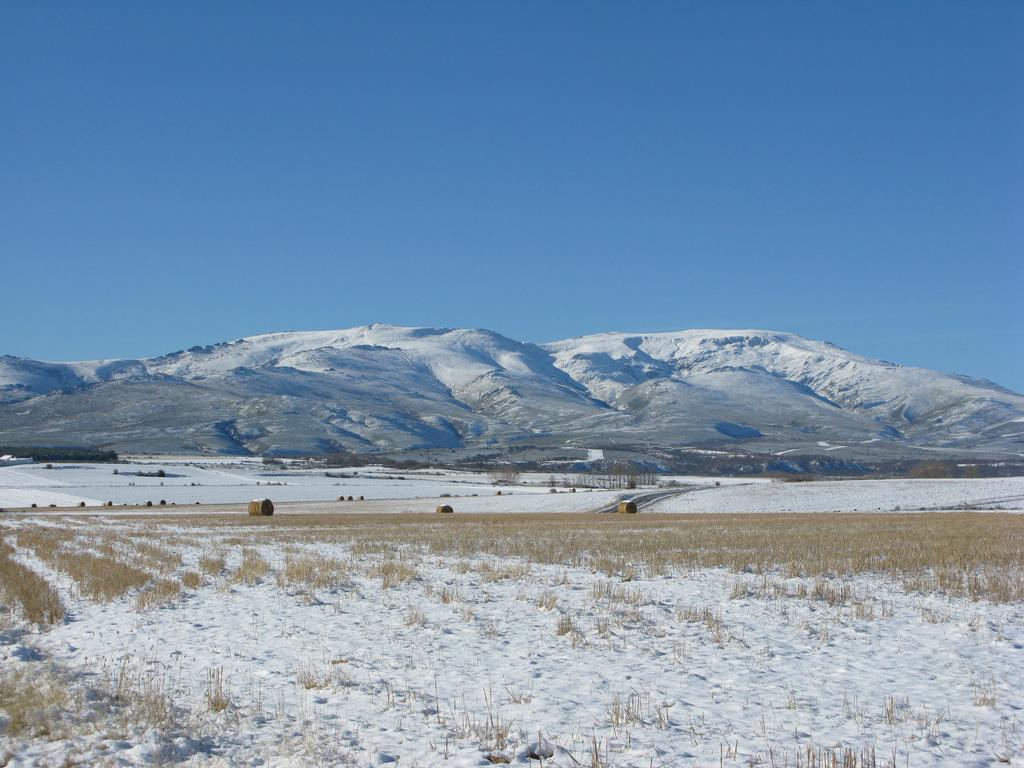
(809, 466)
(58, 453)
(626, 474)
(643, 469)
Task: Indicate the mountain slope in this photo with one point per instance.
(363, 389)
(920, 406)
(391, 388)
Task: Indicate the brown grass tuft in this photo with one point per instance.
(309, 572)
(161, 592)
(217, 696)
(31, 697)
(252, 568)
(37, 600)
(100, 577)
(393, 573)
(212, 563)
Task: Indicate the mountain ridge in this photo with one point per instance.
(394, 388)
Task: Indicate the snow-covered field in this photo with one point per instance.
(425, 640)
(853, 496)
(210, 481)
(372, 642)
(187, 481)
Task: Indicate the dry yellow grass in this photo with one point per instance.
(565, 625)
(100, 577)
(29, 697)
(977, 555)
(414, 617)
(547, 601)
(41, 701)
(498, 572)
(37, 600)
(252, 568)
(218, 697)
(311, 676)
(44, 541)
(156, 557)
(104, 576)
(312, 572)
(160, 592)
(212, 563)
(392, 572)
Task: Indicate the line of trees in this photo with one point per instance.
(58, 453)
(620, 474)
(932, 469)
(505, 476)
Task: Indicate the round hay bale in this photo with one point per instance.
(34, 506)
(627, 507)
(261, 508)
(81, 503)
(499, 492)
(361, 498)
(341, 498)
(572, 490)
(109, 504)
(149, 503)
(350, 498)
(163, 502)
(445, 509)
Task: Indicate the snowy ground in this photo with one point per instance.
(211, 481)
(467, 656)
(414, 644)
(218, 483)
(853, 496)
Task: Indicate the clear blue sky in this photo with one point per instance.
(188, 172)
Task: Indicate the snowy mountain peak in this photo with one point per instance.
(610, 363)
(393, 387)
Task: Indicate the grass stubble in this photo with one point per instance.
(975, 556)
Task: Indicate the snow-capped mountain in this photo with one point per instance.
(791, 380)
(390, 388)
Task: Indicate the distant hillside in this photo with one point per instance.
(392, 388)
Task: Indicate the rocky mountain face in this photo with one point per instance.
(392, 388)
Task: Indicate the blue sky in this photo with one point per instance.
(182, 173)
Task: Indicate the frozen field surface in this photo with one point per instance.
(207, 481)
(853, 496)
(426, 640)
(186, 482)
